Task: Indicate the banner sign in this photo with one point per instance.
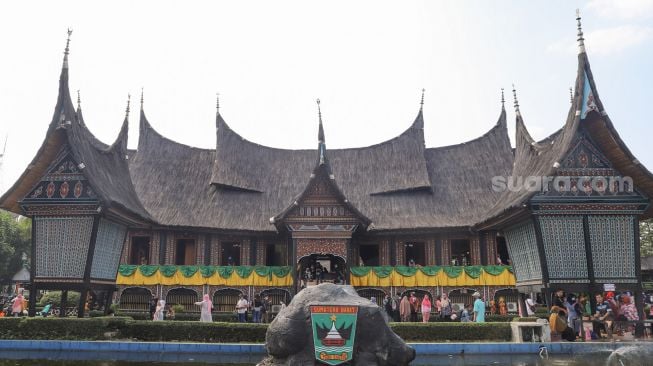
(334, 330)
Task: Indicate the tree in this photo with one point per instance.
(15, 239)
(646, 238)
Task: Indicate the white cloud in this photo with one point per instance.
(606, 41)
(622, 9)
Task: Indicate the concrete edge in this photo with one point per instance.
(258, 348)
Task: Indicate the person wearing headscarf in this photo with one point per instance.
(17, 305)
(426, 308)
(373, 300)
(445, 307)
(404, 309)
(158, 313)
(206, 307)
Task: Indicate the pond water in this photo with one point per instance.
(98, 359)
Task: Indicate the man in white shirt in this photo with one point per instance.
(241, 308)
(530, 306)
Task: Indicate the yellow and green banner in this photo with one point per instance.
(386, 276)
(132, 275)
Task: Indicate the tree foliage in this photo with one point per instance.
(646, 238)
(15, 239)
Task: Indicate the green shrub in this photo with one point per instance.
(112, 328)
(60, 328)
(54, 297)
(184, 331)
(178, 308)
(439, 332)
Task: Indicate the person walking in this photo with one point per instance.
(265, 309)
(154, 301)
(258, 305)
(17, 305)
(414, 307)
(241, 309)
(445, 307)
(206, 306)
(479, 308)
(426, 308)
(404, 309)
(158, 313)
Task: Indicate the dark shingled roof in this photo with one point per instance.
(106, 167)
(538, 159)
(172, 180)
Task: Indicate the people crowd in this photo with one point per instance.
(407, 308)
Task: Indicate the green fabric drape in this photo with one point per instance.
(244, 271)
(263, 271)
(188, 271)
(207, 271)
(127, 269)
(168, 271)
(360, 271)
(225, 272)
(473, 271)
(452, 271)
(148, 270)
(406, 271)
(280, 271)
(495, 270)
(383, 272)
(430, 270)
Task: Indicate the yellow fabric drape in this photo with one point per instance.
(506, 278)
(178, 279)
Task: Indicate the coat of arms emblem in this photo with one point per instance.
(334, 330)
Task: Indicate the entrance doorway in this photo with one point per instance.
(319, 268)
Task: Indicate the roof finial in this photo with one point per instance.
(320, 134)
(129, 97)
(503, 100)
(217, 103)
(581, 40)
(421, 103)
(514, 95)
(571, 95)
(79, 100)
(67, 50)
(142, 97)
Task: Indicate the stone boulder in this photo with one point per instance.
(289, 339)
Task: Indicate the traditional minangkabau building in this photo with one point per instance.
(388, 218)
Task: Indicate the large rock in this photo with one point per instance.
(289, 339)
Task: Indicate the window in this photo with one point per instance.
(369, 254)
(230, 254)
(135, 299)
(184, 297)
(415, 254)
(185, 254)
(140, 250)
(276, 255)
(502, 251)
(225, 300)
(460, 255)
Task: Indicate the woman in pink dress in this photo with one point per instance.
(426, 308)
(17, 305)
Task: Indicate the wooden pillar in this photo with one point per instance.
(63, 303)
(430, 252)
(446, 251)
(107, 301)
(245, 252)
(33, 292)
(261, 252)
(491, 247)
(81, 306)
(475, 250)
(401, 253)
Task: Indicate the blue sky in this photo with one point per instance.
(366, 60)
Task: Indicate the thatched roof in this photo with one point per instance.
(397, 184)
(542, 158)
(105, 167)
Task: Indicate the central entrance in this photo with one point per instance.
(321, 268)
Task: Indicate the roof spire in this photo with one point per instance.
(581, 40)
(67, 50)
(217, 103)
(421, 103)
(79, 100)
(320, 133)
(503, 100)
(142, 98)
(129, 96)
(514, 96)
